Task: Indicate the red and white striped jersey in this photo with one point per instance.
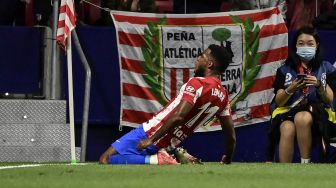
(209, 98)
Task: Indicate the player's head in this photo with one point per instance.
(214, 58)
(221, 56)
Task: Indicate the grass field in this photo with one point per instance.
(92, 175)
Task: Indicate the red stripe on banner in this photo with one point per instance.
(61, 23)
(256, 112)
(260, 111)
(185, 75)
(131, 65)
(134, 19)
(130, 39)
(137, 91)
(134, 116)
(274, 55)
(173, 83)
(195, 20)
(199, 21)
(270, 30)
(239, 120)
(66, 9)
(262, 84)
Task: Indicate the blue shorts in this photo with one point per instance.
(126, 145)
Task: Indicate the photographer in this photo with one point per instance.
(301, 95)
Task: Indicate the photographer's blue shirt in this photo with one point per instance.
(286, 75)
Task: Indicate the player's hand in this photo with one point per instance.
(144, 143)
(225, 160)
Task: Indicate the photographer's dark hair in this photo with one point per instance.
(294, 60)
(222, 57)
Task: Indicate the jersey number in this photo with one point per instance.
(210, 112)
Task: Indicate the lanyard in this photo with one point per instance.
(303, 70)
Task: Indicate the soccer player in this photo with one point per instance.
(200, 100)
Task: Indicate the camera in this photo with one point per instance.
(299, 76)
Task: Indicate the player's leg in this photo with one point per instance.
(160, 158)
(124, 145)
(286, 145)
(128, 159)
(184, 157)
(303, 123)
(125, 151)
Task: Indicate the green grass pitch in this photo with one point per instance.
(92, 175)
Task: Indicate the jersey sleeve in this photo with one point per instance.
(279, 82)
(192, 90)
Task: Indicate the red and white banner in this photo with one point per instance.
(157, 54)
(66, 21)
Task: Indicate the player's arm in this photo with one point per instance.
(230, 138)
(173, 120)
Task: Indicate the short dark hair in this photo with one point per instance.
(222, 57)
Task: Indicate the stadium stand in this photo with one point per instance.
(164, 6)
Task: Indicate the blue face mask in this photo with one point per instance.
(306, 53)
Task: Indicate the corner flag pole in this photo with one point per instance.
(71, 102)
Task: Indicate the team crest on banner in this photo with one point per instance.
(181, 45)
(158, 52)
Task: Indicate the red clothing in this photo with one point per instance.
(302, 12)
(209, 98)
